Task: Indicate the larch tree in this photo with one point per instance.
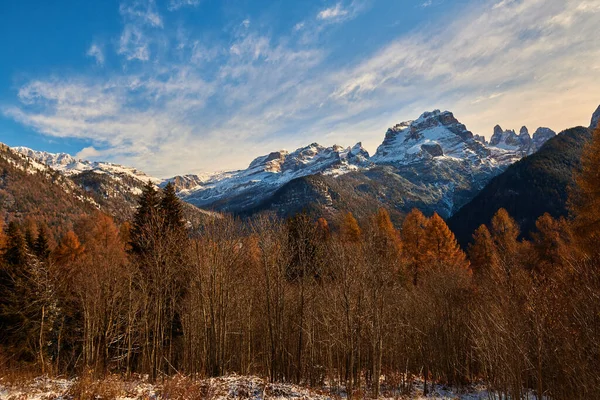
(443, 250)
(483, 253)
(505, 232)
(414, 240)
(350, 230)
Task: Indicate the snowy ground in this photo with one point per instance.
(231, 387)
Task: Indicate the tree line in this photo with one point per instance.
(363, 306)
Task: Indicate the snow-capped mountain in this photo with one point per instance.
(112, 188)
(434, 163)
(436, 159)
(268, 173)
(69, 165)
(523, 143)
(433, 135)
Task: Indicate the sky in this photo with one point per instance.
(189, 86)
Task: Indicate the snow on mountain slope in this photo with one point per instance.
(269, 172)
(69, 166)
(438, 161)
(522, 144)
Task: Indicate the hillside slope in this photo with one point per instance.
(527, 189)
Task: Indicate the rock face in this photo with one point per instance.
(595, 119)
(522, 144)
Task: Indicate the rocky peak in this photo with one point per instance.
(595, 119)
(541, 136)
(359, 151)
(524, 131)
(434, 134)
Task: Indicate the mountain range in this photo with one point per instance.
(433, 163)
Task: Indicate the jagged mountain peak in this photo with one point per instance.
(595, 119)
(522, 143)
(434, 134)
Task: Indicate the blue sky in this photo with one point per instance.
(181, 86)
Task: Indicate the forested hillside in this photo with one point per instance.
(537, 184)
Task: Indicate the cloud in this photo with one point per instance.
(133, 44)
(522, 49)
(177, 4)
(143, 11)
(217, 105)
(96, 52)
(334, 12)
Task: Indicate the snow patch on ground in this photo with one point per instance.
(223, 388)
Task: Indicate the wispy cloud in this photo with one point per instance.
(177, 4)
(96, 52)
(143, 11)
(334, 12)
(216, 107)
(133, 44)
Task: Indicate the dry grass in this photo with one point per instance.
(86, 387)
(185, 388)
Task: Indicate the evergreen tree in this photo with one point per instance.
(145, 222)
(16, 247)
(30, 238)
(41, 247)
(172, 210)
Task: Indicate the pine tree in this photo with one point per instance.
(172, 209)
(30, 238)
(16, 247)
(41, 247)
(350, 230)
(413, 238)
(145, 222)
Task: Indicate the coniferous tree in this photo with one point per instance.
(30, 239)
(350, 230)
(69, 249)
(41, 247)
(172, 210)
(16, 247)
(413, 237)
(443, 250)
(505, 232)
(482, 253)
(145, 222)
